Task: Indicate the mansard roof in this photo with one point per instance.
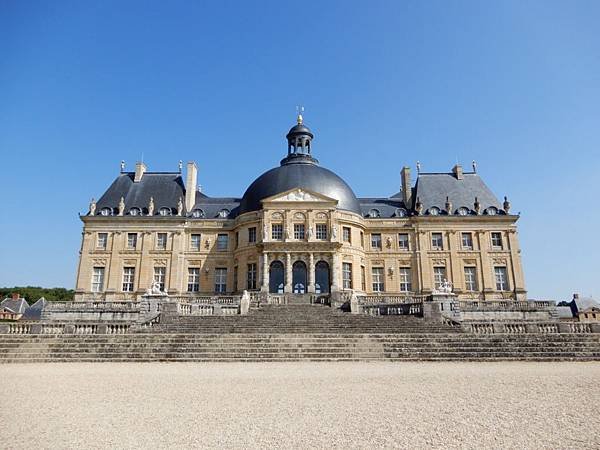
(211, 206)
(14, 305)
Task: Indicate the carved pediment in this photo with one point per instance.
(298, 195)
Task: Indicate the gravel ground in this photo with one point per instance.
(301, 405)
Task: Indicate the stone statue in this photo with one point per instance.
(444, 288)
(334, 232)
(154, 289)
(179, 207)
(122, 166)
(121, 206)
(151, 207)
(310, 232)
(477, 206)
(93, 207)
(388, 242)
(207, 243)
(288, 233)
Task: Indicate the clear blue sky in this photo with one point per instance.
(514, 85)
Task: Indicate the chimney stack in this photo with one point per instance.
(15, 296)
(406, 186)
(458, 171)
(191, 183)
(140, 170)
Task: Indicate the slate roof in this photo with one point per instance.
(582, 303)
(34, 312)
(167, 188)
(564, 312)
(16, 306)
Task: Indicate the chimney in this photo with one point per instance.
(191, 182)
(406, 186)
(575, 296)
(140, 170)
(458, 171)
(15, 296)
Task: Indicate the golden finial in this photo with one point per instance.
(300, 110)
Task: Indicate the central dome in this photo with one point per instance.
(299, 170)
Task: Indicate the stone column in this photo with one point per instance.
(488, 284)
(265, 272)
(288, 273)
(335, 272)
(311, 273)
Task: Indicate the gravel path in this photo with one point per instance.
(300, 405)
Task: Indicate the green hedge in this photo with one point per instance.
(33, 293)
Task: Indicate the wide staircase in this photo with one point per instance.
(299, 333)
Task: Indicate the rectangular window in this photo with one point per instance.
(222, 242)
(299, 231)
(98, 279)
(376, 241)
(237, 239)
(501, 278)
(347, 275)
(470, 278)
(437, 241)
(252, 234)
(403, 241)
(277, 232)
(102, 241)
(131, 241)
(159, 277)
(195, 240)
(235, 279)
(193, 279)
(128, 278)
(467, 241)
(220, 280)
(439, 276)
(497, 241)
(378, 280)
(161, 241)
(251, 284)
(363, 278)
(362, 239)
(404, 275)
(347, 234)
(321, 231)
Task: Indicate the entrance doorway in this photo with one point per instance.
(299, 278)
(322, 277)
(276, 279)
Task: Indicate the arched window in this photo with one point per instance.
(374, 213)
(401, 212)
(462, 211)
(434, 211)
(135, 212)
(164, 211)
(106, 212)
(321, 277)
(276, 277)
(224, 213)
(198, 213)
(491, 211)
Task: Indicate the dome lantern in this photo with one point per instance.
(299, 137)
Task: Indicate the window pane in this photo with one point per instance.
(159, 277)
(222, 242)
(299, 231)
(220, 280)
(321, 231)
(131, 240)
(98, 279)
(470, 279)
(439, 276)
(195, 241)
(378, 280)
(161, 241)
(403, 241)
(467, 241)
(376, 240)
(252, 234)
(193, 279)
(437, 242)
(405, 279)
(102, 241)
(251, 284)
(346, 234)
(347, 275)
(501, 278)
(128, 278)
(277, 231)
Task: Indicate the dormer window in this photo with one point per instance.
(374, 213)
(164, 211)
(462, 211)
(106, 212)
(401, 212)
(434, 211)
(135, 212)
(491, 211)
(197, 213)
(224, 213)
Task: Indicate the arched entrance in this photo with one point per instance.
(322, 277)
(276, 277)
(299, 278)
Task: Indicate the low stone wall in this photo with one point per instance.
(533, 327)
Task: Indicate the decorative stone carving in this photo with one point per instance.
(334, 232)
(99, 262)
(388, 242)
(151, 207)
(277, 216)
(439, 262)
(207, 243)
(93, 207)
(121, 206)
(265, 232)
(321, 215)
(154, 289)
(180, 207)
(160, 262)
(299, 216)
(310, 232)
(499, 260)
(445, 288)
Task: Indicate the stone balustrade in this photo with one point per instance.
(66, 328)
(530, 327)
(92, 306)
(509, 305)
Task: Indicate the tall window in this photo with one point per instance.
(347, 234)
(128, 278)
(362, 240)
(363, 278)
(277, 232)
(222, 242)
(251, 284)
(193, 279)
(98, 279)
(347, 275)
(470, 278)
(131, 241)
(403, 241)
(437, 241)
(378, 279)
(237, 239)
(501, 278)
(376, 241)
(102, 241)
(405, 279)
(161, 241)
(321, 231)
(252, 234)
(159, 276)
(497, 240)
(439, 276)
(195, 240)
(299, 231)
(467, 241)
(235, 278)
(220, 280)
